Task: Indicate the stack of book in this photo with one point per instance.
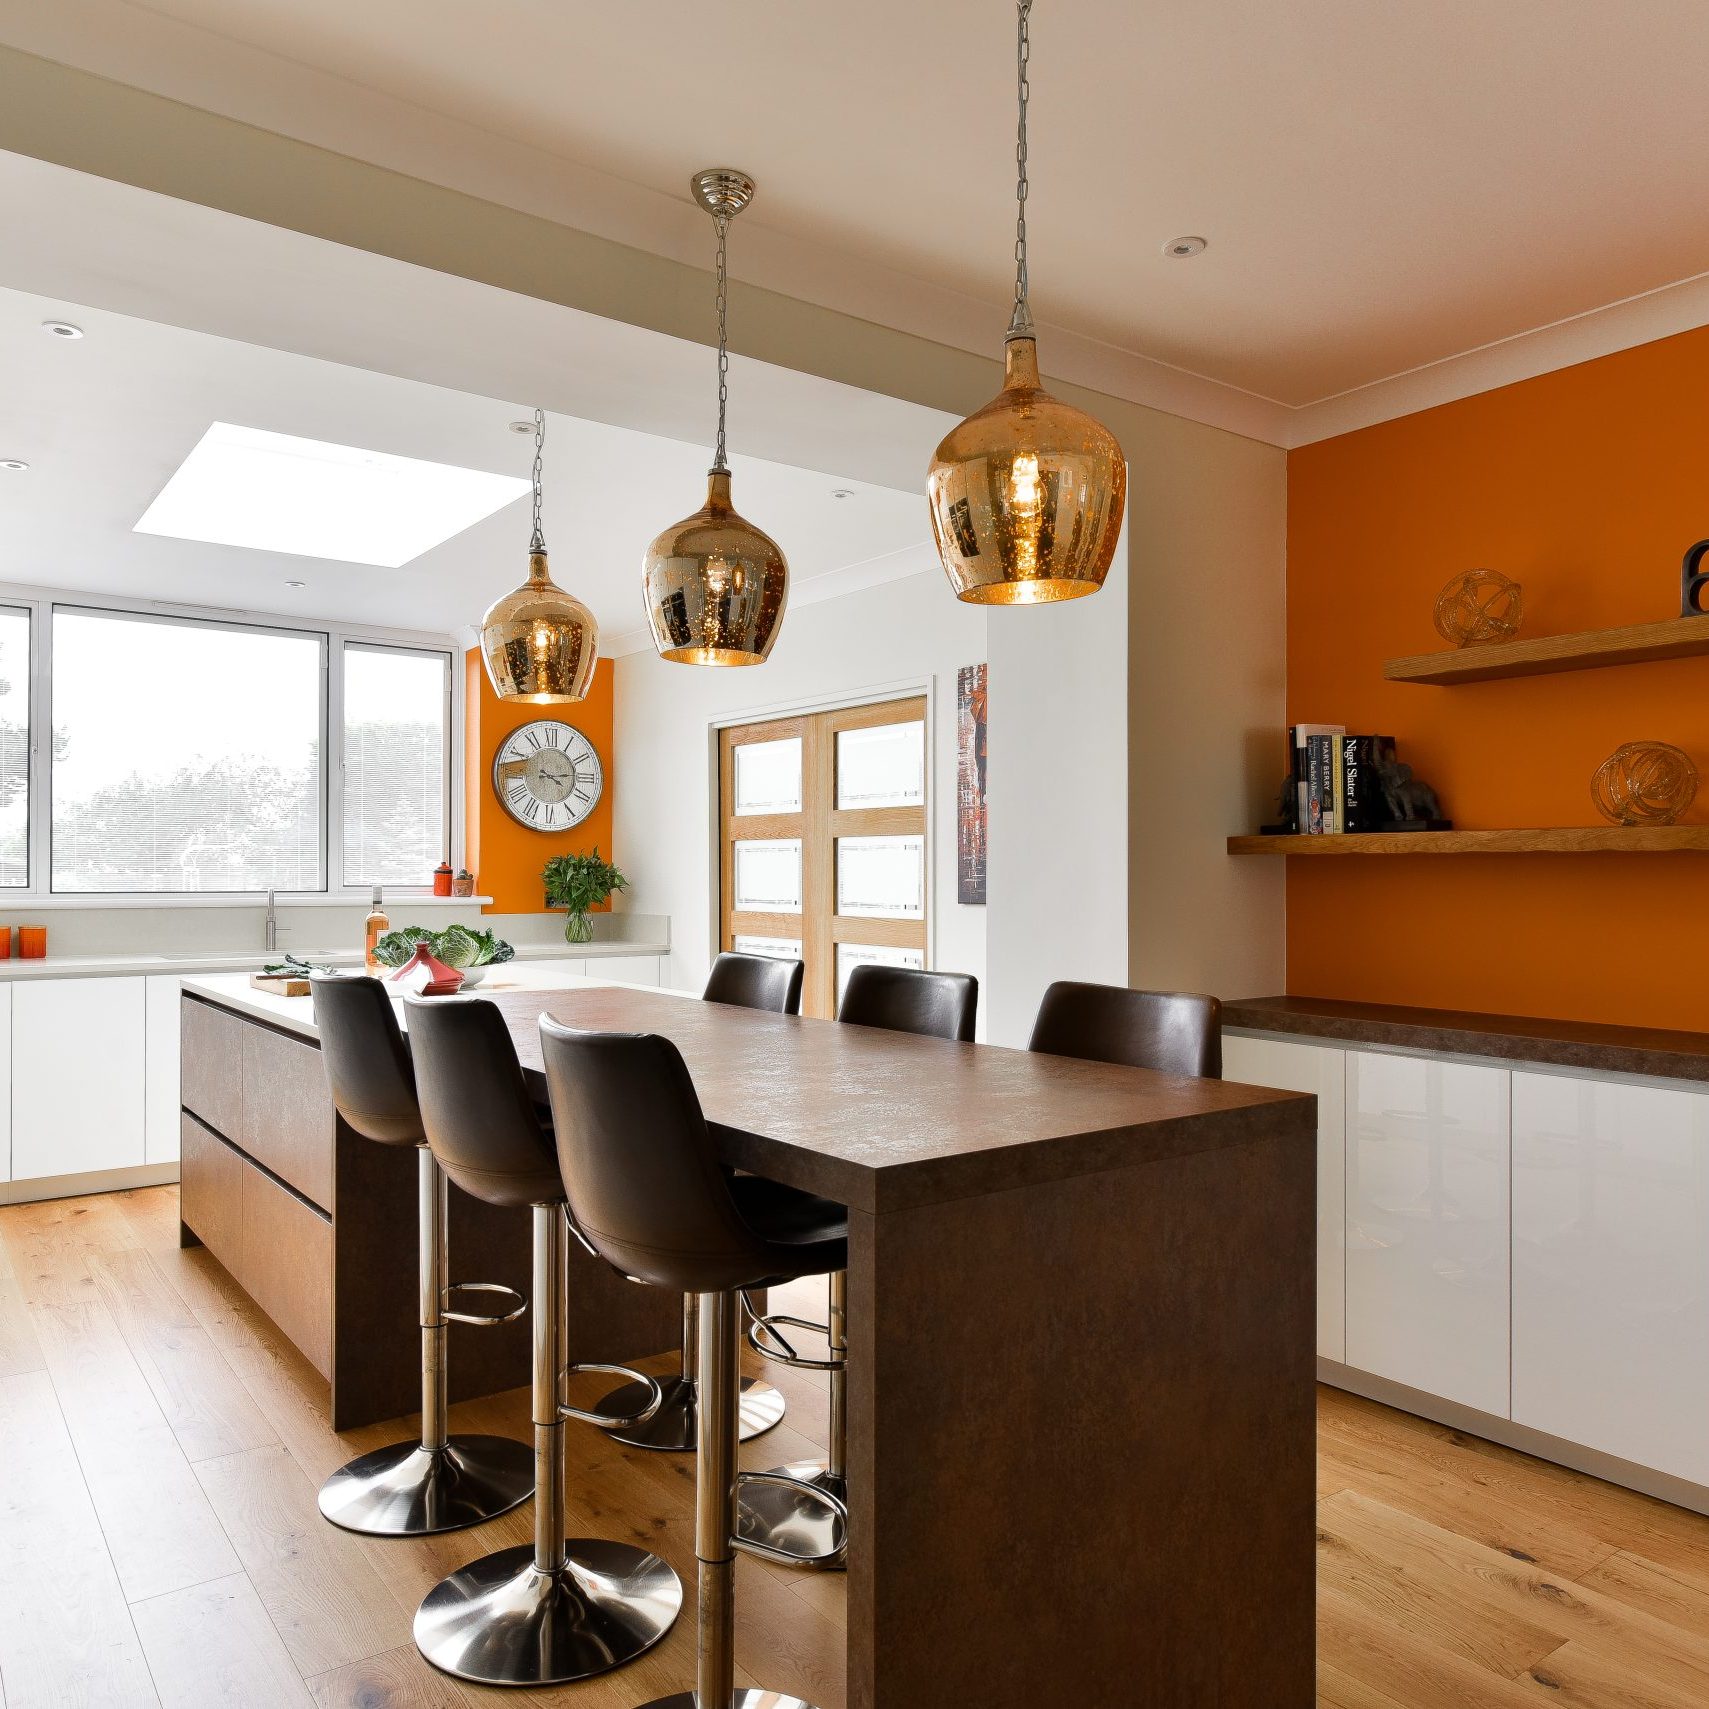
(1336, 781)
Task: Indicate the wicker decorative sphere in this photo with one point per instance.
(1479, 606)
(1644, 783)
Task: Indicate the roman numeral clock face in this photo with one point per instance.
(547, 776)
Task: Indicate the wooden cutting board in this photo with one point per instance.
(281, 984)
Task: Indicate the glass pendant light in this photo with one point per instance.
(1028, 494)
(715, 585)
(540, 643)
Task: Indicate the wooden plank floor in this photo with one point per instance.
(161, 1444)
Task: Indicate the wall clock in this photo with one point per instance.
(547, 776)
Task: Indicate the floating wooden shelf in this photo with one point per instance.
(1675, 638)
(1577, 839)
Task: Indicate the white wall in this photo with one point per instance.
(896, 637)
(1058, 796)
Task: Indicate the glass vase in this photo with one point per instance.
(578, 928)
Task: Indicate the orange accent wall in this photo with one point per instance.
(1585, 485)
(504, 856)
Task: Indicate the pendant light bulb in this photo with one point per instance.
(1027, 495)
(715, 585)
(539, 643)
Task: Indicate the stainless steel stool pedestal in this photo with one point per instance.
(556, 1610)
(672, 1427)
(781, 1512)
(442, 1482)
(715, 1540)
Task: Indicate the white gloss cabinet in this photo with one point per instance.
(1611, 1267)
(1319, 1069)
(1427, 1225)
(161, 999)
(77, 1075)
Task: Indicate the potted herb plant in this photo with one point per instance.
(579, 882)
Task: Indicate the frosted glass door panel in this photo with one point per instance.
(779, 949)
(1427, 1225)
(882, 877)
(1611, 1268)
(851, 956)
(768, 777)
(768, 876)
(881, 765)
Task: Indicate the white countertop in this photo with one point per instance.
(249, 961)
(233, 991)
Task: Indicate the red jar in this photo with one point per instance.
(442, 879)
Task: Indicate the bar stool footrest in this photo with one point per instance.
(812, 1493)
(766, 1323)
(482, 1320)
(615, 1421)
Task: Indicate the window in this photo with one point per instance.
(397, 716)
(823, 854)
(14, 748)
(186, 755)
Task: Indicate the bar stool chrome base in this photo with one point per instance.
(672, 1428)
(406, 1490)
(787, 1519)
(745, 1698)
(502, 1621)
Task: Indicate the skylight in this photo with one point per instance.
(241, 486)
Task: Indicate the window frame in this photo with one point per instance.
(448, 795)
(41, 603)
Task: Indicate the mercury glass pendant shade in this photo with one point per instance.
(540, 643)
(716, 587)
(1027, 495)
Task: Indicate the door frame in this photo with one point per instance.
(901, 688)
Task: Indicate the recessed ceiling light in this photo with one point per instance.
(842, 492)
(61, 329)
(17, 464)
(242, 486)
(1181, 248)
(296, 584)
(522, 427)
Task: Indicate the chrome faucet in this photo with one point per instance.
(272, 924)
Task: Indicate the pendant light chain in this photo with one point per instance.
(1021, 322)
(538, 543)
(723, 224)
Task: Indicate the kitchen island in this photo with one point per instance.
(1080, 1387)
(318, 1224)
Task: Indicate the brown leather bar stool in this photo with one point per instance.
(665, 1212)
(899, 999)
(442, 1482)
(1174, 1032)
(747, 982)
(557, 1609)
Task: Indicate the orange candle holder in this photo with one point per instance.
(32, 942)
(5, 943)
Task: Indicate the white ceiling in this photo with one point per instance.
(105, 420)
(1384, 186)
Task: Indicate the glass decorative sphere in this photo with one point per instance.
(1478, 607)
(716, 587)
(1644, 783)
(540, 644)
(1027, 495)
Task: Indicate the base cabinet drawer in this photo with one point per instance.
(1611, 1268)
(264, 1090)
(1428, 1239)
(1321, 1070)
(275, 1247)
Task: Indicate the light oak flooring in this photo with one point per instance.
(161, 1444)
